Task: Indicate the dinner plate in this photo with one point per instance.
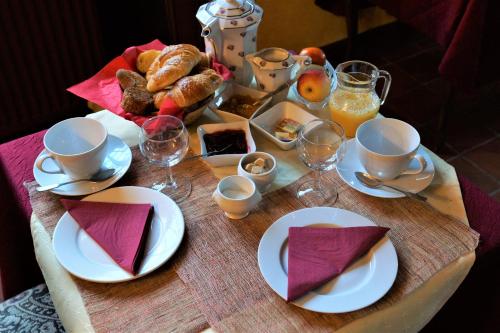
(83, 257)
(362, 284)
(411, 183)
(119, 158)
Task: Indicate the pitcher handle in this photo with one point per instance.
(387, 84)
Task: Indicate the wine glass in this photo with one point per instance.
(164, 141)
(320, 145)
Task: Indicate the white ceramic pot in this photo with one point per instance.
(275, 66)
(230, 31)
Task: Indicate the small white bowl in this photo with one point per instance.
(225, 159)
(264, 180)
(232, 89)
(267, 122)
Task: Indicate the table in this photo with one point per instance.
(409, 315)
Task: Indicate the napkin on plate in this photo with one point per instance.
(104, 90)
(120, 229)
(317, 255)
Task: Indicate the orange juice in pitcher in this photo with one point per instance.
(354, 100)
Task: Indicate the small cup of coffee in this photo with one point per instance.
(76, 145)
(386, 147)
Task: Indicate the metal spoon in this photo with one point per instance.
(372, 182)
(208, 154)
(101, 175)
(285, 85)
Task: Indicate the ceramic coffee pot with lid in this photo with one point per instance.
(229, 28)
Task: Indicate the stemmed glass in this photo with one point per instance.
(164, 141)
(320, 146)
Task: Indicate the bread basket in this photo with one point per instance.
(191, 116)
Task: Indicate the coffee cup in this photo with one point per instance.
(386, 147)
(77, 147)
(236, 196)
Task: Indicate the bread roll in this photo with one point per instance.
(173, 63)
(145, 59)
(137, 100)
(192, 89)
(129, 79)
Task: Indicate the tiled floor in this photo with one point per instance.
(472, 143)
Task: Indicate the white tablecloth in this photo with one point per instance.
(409, 315)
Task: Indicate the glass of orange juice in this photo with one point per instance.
(355, 100)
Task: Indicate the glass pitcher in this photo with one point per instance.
(355, 100)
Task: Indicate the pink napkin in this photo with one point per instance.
(120, 229)
(104, 90)
(317, 255)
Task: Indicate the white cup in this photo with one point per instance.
(264, 180)
(386, 147)
(76, 145)
(236, 196)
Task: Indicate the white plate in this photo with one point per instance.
(362, 284)
(411, 183)
(84, 258)
(119, 158)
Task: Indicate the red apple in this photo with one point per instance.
(314, 85)
(317, 55)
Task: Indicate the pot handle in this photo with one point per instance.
(387, 84)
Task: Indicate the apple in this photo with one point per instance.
(314, 85)
(317, 55)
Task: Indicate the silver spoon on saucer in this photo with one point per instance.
(101, 175)
(373, 182)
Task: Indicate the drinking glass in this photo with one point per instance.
(164, 141)
(320, 145)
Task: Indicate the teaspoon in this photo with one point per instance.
(101, 175)
(372, 182)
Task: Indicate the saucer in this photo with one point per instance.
(119, 158)
(411, 183)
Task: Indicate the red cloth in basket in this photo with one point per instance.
(104, 90)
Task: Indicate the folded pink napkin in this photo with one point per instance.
(104, 90)
(317, 255)
(120, 229)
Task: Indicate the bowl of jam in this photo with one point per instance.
(225, 143)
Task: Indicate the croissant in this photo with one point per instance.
(191, 89)
(174, 62)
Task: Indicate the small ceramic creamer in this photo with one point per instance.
(230, 31)
(274, 66)
(237, 196)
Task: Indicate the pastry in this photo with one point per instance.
(128, 79)
(194, 88)
(137, 100)
(145, 59)
(158, 98)
(174, 62)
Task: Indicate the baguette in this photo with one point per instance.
(173, 63)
